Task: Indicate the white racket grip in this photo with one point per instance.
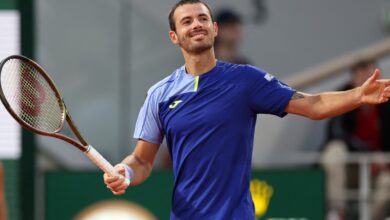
(102, 163)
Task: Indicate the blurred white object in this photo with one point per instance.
(115, 210)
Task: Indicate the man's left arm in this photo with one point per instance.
(329, 104)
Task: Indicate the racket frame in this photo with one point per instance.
(84, 147)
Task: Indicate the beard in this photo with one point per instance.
(198, 47)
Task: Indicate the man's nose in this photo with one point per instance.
(197, 24)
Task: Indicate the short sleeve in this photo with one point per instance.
(148, 126)
(267, 95)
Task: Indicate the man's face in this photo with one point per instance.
(195, 31)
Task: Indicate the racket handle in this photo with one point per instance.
(102, 163)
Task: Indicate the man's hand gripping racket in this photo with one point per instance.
(31, 97)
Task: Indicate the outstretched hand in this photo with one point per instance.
(375, 90)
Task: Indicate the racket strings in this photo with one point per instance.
(31, 97)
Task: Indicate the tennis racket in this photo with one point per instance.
(31, 97)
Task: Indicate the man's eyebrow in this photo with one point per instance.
(199, 15)
(203, 14)
(186, 17)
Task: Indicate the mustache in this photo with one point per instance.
(198, 31)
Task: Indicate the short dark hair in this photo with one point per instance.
(227, 17)
(171, 20)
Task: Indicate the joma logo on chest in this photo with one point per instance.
(175, 103)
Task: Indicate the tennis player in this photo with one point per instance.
(207, 110)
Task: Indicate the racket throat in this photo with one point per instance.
(88, 148)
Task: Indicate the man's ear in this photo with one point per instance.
(173, 37)
(216, 29)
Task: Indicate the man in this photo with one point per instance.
(207, 111)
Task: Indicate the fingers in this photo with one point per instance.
(109, 179)
(385, 95)
(119, 193)
(376, 90)
(386, 82)
(119, 188)
(126, 171)
(383, 100)
(386, 91)
(116, 184)
(375, 76)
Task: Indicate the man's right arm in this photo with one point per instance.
(140, 162)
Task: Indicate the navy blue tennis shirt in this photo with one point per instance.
(209, 122)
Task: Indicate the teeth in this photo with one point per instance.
(199, 33)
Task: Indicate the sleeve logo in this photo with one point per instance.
(268, 76)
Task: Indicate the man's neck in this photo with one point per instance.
(200, 63)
